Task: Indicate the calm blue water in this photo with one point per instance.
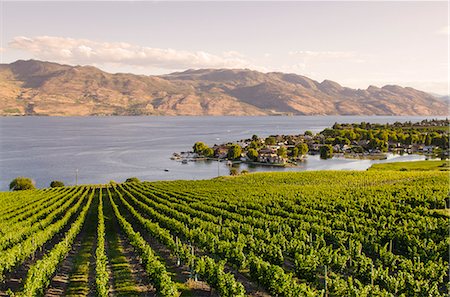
(114, 148)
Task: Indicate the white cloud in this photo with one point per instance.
(84, 51)
(443, 31)
(323, 54)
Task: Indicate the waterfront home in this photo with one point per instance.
(267, 150)
(271, 158)
(220, 152)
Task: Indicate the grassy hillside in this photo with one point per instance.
(413, 166)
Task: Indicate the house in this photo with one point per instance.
(346, 148)
(221, 152)
(315, 147)
(271, 159)
(267, 150)
(273, 147)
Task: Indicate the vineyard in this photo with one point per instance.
(373, 233)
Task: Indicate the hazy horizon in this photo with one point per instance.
(356, 44)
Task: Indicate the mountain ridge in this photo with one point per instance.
(35, 87)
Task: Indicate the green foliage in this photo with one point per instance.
(308, 133)
(17, 243)
(101, 272)
(252, 154)
(375, 232)
(21, 183)
(155, 269)
(234, 152)
(302, 149)
(254, 145)
(199, 147)
(208, 152)
(56, 184)
(202, 149)
(282, 152)
(270, 141)
(132, 180)
(326, 151)
(40, 274)
(413, 166)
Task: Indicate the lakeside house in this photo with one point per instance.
(221, 151)
(271, 158)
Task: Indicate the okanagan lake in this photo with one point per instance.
(115, 148)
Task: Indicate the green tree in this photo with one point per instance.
(282, 152)
(254, 144)
(199, 147)
(328, 132)
(208, 152)
(132, 180)
(255, 137)
(252, 154)
(56, 184)
(302, 149)
(21, 183)
(308, 133)
(341, 140)
(329, 140)
(270, 140)
(326, 151)
(234, 152)
(294, 152)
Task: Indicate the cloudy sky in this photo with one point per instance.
(354, 43)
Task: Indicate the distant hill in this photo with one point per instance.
(43, 88)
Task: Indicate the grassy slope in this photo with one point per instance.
(413, 166)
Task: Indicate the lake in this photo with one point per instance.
(115, 148)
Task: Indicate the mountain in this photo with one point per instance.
(43, 88)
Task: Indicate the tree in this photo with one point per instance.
(199, 147)
(21, 183)
(341, 140)
(302, 149)
(294, 152)
(254, 144)
(270, 140)
(208, 152)
(308, 133)
(326, 151)
(234, 152)
(252, 154)
(255, 137)
(132, 180)
(56, 184)
(282, 152)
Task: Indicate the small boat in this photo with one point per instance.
(166, 170)
(184, 161)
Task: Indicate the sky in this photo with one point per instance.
(356, 44)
